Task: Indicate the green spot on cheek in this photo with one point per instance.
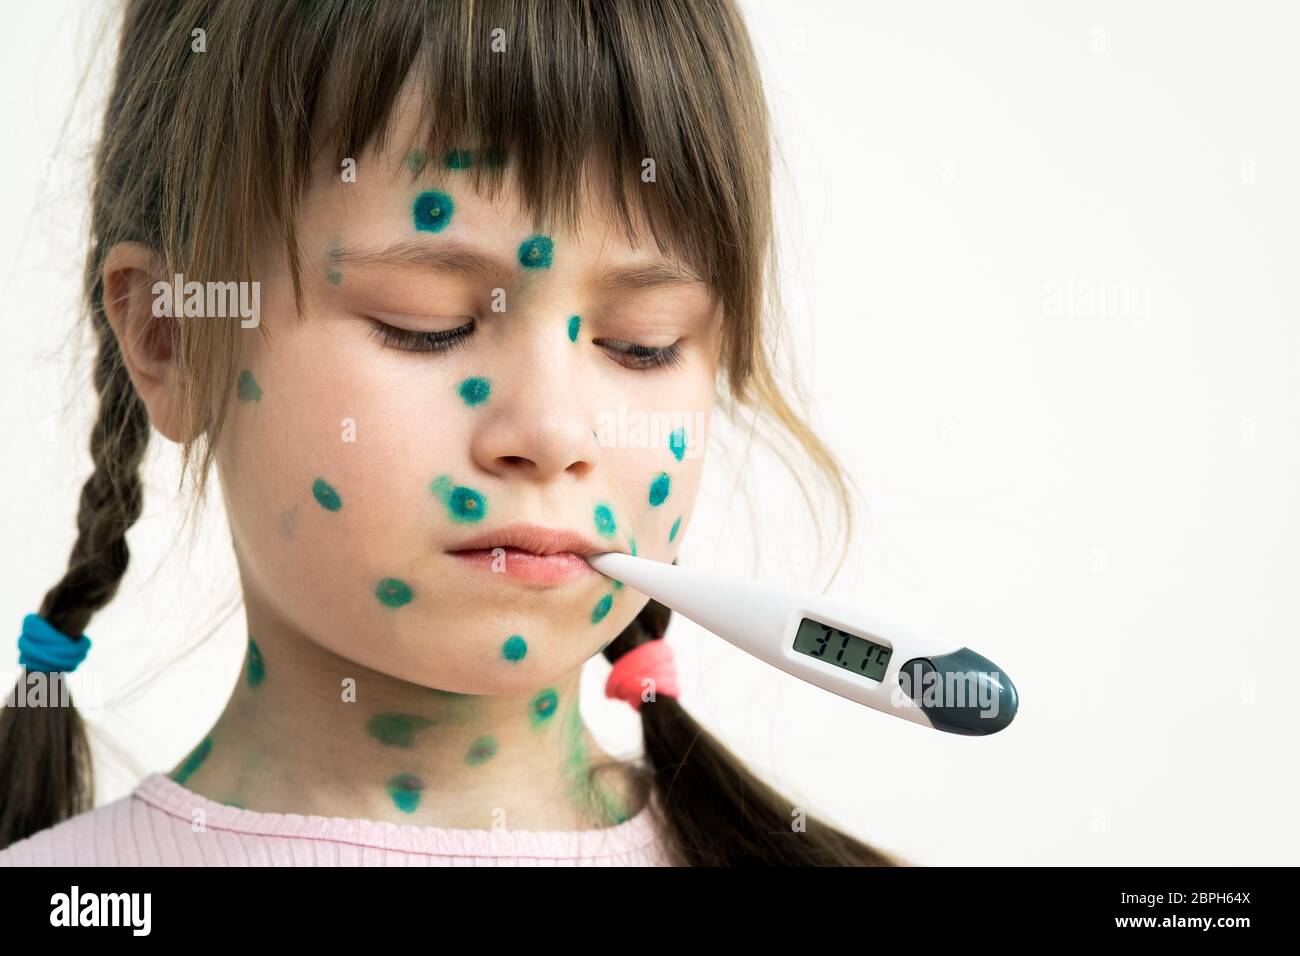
(514, 648)
(396, 730)
(463, 504)
(193, 761)
(432, 211)
(325, 495)
(631, 543)
(483, 749)
(535, 253)
(256, 666)
(544, 706)
(406, 789)
(677, 443)
(574, 322)
(604, 521)
(248, 389)
(393, 592)
(475, 391)
(673, 533)
(602, 608)
(659, 489)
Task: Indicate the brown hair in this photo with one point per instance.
(198, 147)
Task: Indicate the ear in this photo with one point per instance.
(147, 341)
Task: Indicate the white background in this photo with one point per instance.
(1102, 500)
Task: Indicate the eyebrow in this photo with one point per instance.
(450, 257)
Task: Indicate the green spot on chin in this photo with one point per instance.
(481, 750)
(677, 443)
(659, 489)
(544, 706)
(247, 388)
(604, 518)
(406, 789)
(432, 211)
(475, 391)
(574, 322)
(535, 253)
(325, 495)
(193, 761)
(256, 666)
(676, 524)
(602, 608)
(396, 730)
(514, 648)
(393, 592)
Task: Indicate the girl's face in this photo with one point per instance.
(458, 371)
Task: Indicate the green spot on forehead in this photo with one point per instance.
(416, 160)
(432, 211)
(393, 592)
(535, 253)
(458, 159)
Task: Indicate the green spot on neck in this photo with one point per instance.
(247, 388)
(406, 790)
(543, 707)
(396, 730)
(325, 495)
(256, 666)
(193, 761)
(481, 750)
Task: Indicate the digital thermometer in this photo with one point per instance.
(842, 649)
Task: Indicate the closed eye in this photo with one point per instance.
(408, 340)
(642, 357)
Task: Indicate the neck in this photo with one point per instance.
(306, 731)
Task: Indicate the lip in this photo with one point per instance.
(531, 553)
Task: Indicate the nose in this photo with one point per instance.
(538, 426)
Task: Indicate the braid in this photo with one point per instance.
(45, 759)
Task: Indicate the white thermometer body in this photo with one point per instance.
(845, 650)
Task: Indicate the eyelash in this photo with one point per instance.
(645, 357)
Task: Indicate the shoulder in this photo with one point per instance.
(87, 839)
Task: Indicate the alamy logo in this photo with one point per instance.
(208, 300)
(102, 909)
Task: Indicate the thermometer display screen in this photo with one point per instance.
(845, 650)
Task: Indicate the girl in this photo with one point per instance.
(461, 236)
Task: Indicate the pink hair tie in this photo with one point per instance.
(653, 659)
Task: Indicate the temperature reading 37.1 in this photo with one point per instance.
(838, 647)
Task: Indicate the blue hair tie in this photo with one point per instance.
(43, 648)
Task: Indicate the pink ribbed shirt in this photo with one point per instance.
(154, 825)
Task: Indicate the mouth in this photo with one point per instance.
(531, 553)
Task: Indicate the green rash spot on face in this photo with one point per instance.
(677, 443)
(247, 387)
(673, 533)
(602, 608)
(574, 322)
(458, 159)
(393, 592)
(256, 666)
(631, 543)
(604, 517)
(325, 495)
(465, 505)
(334, 277)
(475, 391)
(415, 160)
(535, 253)
(514, 648)
(481, 750)
(432, 211)
(406, 789)
(617, 585)
(543, 706)
(396, 730)
(492, 156)
(193, 761)
(659, 489)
